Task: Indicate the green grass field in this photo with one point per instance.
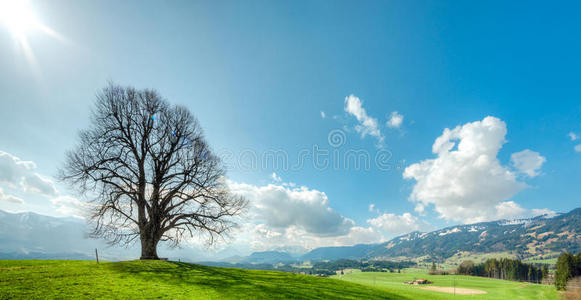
(36, 279)
(44, 279)
(494, 288)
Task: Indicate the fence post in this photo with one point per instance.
(97, 255)
(454, 286)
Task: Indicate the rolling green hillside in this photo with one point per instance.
(35, 279)
(26, 279)
(484, 288)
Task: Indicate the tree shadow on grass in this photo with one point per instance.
(239, 283)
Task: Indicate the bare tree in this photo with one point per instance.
(149, 173)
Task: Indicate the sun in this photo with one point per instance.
(18, 16)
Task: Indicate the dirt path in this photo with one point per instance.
(459, 291)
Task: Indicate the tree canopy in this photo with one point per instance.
(149, 173)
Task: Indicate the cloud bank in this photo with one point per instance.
(281, 214)
(281, 207)
(20, 174)
(397, 225)
(21, 177)
(9, 198)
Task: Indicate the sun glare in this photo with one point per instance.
(18, 16)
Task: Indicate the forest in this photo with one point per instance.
(504, 268)
(568, 267)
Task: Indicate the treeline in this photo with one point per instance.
(504, 268)
(322, 267)
(365, 266)
(568, 266)
(385, 265)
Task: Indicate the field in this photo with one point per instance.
(42, 279)
(537, 260)
(455, 260)
(461, 256)
(493, 288)
(26, 279)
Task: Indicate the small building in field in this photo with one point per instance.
(418, 282)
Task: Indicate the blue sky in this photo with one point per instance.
(258, 74)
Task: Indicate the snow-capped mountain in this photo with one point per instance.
(524, 237)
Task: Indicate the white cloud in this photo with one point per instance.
(468, 183)
(284, 215)
(12, 168)
(281, 206)
(395, 120)
(262, 230)
(38, 184)
(420, 209)
(275, 177)
(16, 172)
(20, 175)
(9, 198)
(367, 125)
(575, 137)
(512, 210)
(393, 224)
(542, 211)
(323, 115)
(509, 210)
(528, 162)
(70, 206)
(260, 237)
(357, 235)
(371, 207)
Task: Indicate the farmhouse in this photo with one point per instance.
(418, 282)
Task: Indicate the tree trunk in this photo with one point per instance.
(149, 243)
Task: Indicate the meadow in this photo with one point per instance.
(46, 279)
(493, 288)
(36, 279)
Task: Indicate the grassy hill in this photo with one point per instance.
(486, 287)
(26, 279)
(532, 238)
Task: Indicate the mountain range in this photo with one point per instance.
(30, 235)
(33, 236)
(539, 236)
(526, 237)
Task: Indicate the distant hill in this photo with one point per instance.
(332, 253)
(29, 235)
(525, 237)
(268, 257)
(34, 236)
